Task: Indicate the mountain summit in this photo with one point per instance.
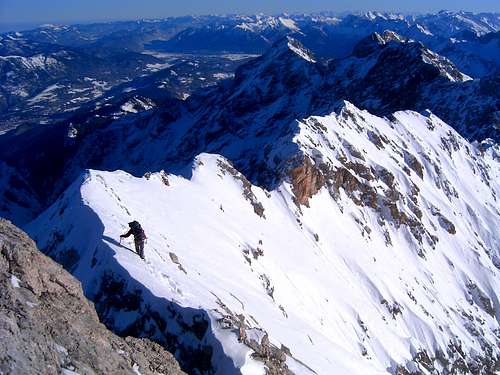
(370, 235)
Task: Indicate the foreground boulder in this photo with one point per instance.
(48, 326)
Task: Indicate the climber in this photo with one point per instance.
(139, 237)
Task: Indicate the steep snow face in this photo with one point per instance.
(377, 251)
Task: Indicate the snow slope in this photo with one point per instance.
(377, 251)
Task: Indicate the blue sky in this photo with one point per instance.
(39, 11)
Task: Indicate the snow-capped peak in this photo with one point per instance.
(300, 50)
(375, 41)
(289, 23)
(258, 24)
(286, 45)
(388, 36)
(284, 234)
(445, 66)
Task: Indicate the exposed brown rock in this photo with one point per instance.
(353, 150)
(360, 169)
(443, 221)
(274, 358)
(343, 178)
(164, 179)
(306, 181)
(386, 176)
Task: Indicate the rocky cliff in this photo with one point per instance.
(47, 326)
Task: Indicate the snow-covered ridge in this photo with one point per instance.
(389, 35)
(378, 41)
(259, 24)
(376, 251)
(286, 45)
(445, 66)
(300, 50)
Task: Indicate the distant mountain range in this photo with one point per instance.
(49, 72)
(320, 193)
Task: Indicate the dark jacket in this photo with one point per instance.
(138, 233)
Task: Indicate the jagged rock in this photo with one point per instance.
(175, 260)
(248, 194)
(274, 358)
(443, 221)
(454, 362)
(47, 325)
(414, 164)
(306, 181)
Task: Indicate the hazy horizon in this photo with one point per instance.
(16, 15)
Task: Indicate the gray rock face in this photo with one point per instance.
(47, 326)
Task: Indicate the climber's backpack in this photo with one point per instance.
(135, 226)
(137, 230)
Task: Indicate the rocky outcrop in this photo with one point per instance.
(264, 351)
(274, 358)
(306, 181)
(48, 326)
(226, 167)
